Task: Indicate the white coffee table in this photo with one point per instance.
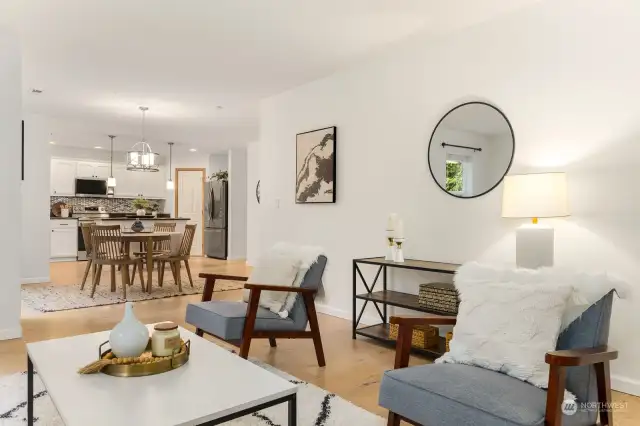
(215, 386)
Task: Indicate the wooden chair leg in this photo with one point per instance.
(249, 323)
(141, 275)
(133, 274)
(315, 328)
(272, 342)
(124, 276)
(173, 272)
(178, 275)
(93, 273)
(96, 279)
(186, 266)
(555, 395)
(86, 273)
(113, 278)
(393, 419)
(603, 377)
(160, 273)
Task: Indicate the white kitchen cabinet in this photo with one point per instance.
(102, 170)
(125, 181)
(128, 184)
(93, 170)
(63, 177)
(64, 239)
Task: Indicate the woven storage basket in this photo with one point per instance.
(439, 297)
(448, 338)
(423, 336)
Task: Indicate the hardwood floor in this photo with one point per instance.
(353, 370)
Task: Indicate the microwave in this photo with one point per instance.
(87, 187)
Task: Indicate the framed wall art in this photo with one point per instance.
(316, 166)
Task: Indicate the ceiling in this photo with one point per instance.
(201, 66)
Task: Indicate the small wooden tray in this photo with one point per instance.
(157, 366)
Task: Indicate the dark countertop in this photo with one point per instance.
(63, 218)
(144, 218)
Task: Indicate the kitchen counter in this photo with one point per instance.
(63, 218)
(143, 218)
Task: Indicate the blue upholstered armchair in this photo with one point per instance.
(463, 395)
(238, 322)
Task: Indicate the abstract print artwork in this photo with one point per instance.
(316, 166)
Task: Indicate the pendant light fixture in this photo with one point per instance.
(170, 184)
(140, 158)
(111, 182)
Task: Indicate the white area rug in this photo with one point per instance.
(51, 298)
(316, 407)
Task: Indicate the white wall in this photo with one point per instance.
(237, 204)
(10, 171)
(253, 208)
(563, 73)
(218, 162)
(36, 231)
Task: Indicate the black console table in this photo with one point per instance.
(393, 298)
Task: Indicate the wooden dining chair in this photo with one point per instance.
(109, 249)
(163, 246)
(183, 255)
(88, 247)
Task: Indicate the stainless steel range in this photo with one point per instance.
(87, 215)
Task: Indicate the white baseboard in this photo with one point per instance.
(35, 280)
(63, 259)
(341, 313)
(10, 333)
(625, 385)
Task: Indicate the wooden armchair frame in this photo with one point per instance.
(249, 332)
(599, 357)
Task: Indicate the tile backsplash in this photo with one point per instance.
(113, 205)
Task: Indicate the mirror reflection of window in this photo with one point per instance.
(459, 174)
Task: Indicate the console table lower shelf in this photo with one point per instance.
(386, 297)
(381, 332)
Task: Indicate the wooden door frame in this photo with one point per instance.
(176, 196)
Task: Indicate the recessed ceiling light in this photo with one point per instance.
(97, 147)
(52, 142)
(192, 149)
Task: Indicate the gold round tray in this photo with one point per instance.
(157, 366)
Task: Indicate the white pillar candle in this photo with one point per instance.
(391, 222)
(399, 229)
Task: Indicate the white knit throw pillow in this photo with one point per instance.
(506, 326)
(273, 269)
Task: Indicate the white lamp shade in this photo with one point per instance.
(170, 185)
(535, 195)
(111, 182)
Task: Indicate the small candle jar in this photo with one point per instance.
(165, 339)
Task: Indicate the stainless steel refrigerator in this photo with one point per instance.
(215, 219)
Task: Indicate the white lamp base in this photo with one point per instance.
(534, 246)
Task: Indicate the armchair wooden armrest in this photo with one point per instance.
(577, 357)
(405, 331)
(266, 287)
(210, 282)
(599, 357)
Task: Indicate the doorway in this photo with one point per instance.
(189, 202)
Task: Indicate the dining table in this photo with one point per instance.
(149, 238)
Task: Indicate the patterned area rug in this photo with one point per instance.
(316, 407)
(52, 298)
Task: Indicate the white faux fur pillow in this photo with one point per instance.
(273, 269)
(506, 326)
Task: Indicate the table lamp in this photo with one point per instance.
(535, 196)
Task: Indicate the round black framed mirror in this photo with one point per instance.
(471, 149)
